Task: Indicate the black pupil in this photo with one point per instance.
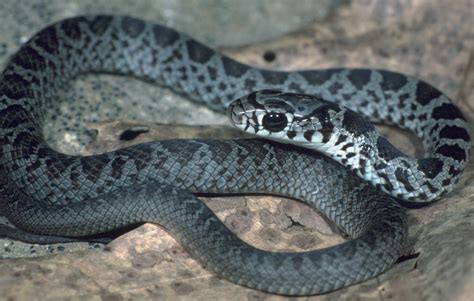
(274, 121)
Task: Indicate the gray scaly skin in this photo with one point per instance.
(50, 194)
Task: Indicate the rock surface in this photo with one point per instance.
(431, 41)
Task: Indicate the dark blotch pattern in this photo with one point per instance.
(346, 146)
(386, 150)
(274, 78)
(454, 132)
(322, 114)
(293, 87)
(341, 139)
(359, 78)
(308, 135)
(291, 134)
(48, 40)
(387, 185)
(14, 115)
(249, 84)
(335, 88)
(16, 87)
(320, 77)
(100, 24)
(164, 36)
(446, 182)
(447, 111)
(380, 165)
(213, 74)
(199, 52)
(356, 124)
(454, 171)
(117, 166)
(430, 187)
(71, 28)
(132, 27)
(233, 68)
(452, 151)
(430, 166)
(393, 81)
(426, 93)
(402, 177)
(29, 58)
(350, 155)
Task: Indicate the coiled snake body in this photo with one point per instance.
(51, 196)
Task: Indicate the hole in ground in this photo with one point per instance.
(133, 132)
(269, 56)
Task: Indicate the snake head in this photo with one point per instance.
(285, 117)
(307, 121)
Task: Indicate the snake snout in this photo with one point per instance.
(235, 114)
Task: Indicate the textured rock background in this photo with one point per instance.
(432, 41)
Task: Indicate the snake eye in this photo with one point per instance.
(274, 121)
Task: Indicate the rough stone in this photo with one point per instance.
(431, 41)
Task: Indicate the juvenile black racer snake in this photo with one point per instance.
(52, 196)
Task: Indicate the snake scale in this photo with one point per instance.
(51, 196)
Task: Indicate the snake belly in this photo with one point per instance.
(47, 193)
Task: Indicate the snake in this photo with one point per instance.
(319, 115)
